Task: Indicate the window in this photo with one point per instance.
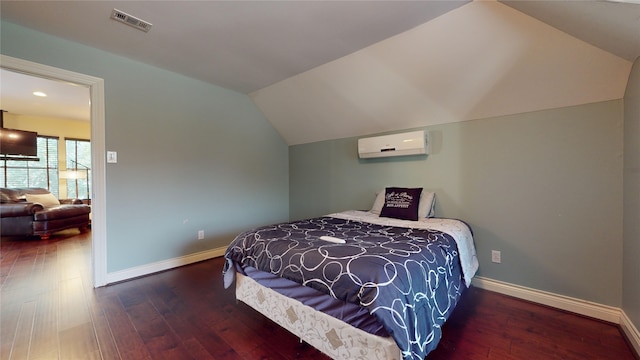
(42, 173)
(78, 168)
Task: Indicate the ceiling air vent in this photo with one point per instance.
(125, 18)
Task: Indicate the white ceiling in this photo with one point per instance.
(239, 45)
(611, 25)
(482, 60)
(251, 46)
(63, 100)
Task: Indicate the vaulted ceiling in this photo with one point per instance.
(322, 70)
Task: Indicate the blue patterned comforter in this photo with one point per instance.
(410, 279)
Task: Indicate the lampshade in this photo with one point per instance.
(73, 174)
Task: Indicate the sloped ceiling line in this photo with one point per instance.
(481, 60)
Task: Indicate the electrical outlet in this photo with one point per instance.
(200, 234)
(495, 256)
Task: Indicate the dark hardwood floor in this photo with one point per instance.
(49, 310)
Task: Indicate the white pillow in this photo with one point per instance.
(46, 200)
(426, 208)
(378, 203)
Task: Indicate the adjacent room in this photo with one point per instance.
(186, 123)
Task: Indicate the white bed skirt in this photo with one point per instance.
(333, 337)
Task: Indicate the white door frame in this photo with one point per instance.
(98, 159)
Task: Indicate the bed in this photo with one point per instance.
(357, 284)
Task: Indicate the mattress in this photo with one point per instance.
(408, 274)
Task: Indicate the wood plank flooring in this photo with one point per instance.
(49, 310)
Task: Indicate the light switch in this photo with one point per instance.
(112, 157)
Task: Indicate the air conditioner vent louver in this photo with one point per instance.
(130, 20)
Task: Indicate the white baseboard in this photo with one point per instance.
(633, 335)
(163, 265)
(582, 307)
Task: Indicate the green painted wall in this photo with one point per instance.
(545, 188)
(631, 293)
(191, 155)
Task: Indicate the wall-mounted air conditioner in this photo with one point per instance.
(409, 143)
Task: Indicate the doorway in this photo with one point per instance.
(98, 162)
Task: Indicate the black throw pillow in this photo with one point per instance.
(401, 203)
